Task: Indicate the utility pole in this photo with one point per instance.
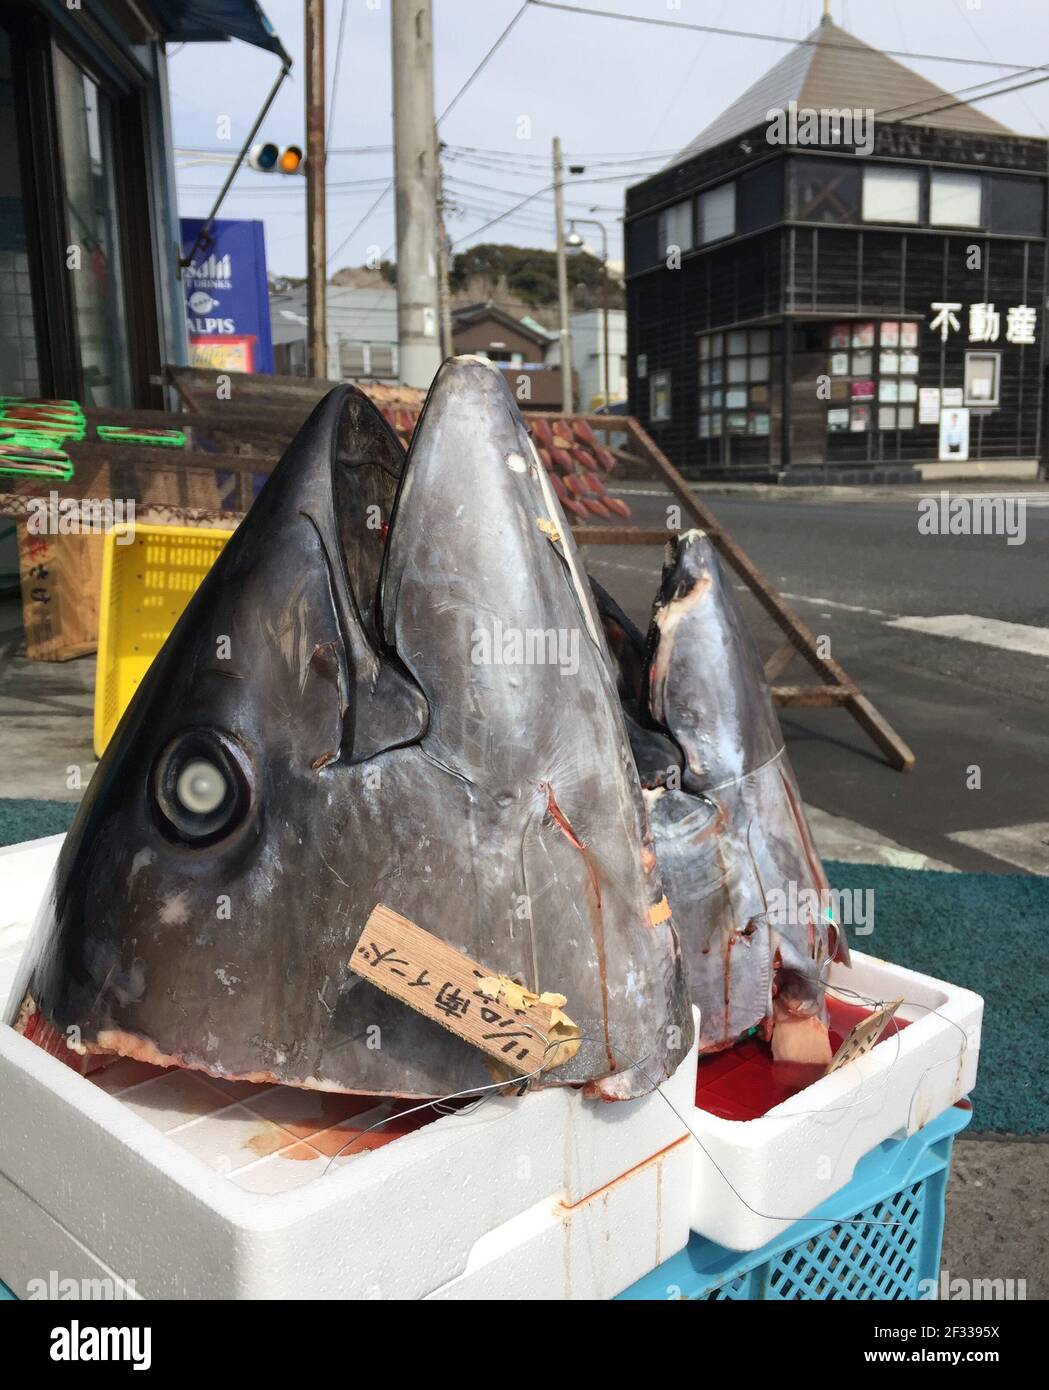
(444, 292)
(415, 174)
(562, 280)
(316, 245)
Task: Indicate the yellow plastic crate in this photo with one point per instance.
(145, 586)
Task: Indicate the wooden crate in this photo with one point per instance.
(61, 578)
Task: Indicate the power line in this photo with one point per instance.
(821, 42)
(482, 64)
(577, 154)
(983, 44)
(961, 101)
(358, 225)
(335, 76)
(476, 72)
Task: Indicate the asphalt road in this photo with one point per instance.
(852, 569)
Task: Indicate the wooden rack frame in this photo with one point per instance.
(835, 687)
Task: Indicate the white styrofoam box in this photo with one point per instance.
(24, 872)
(192, 1187)
(592, 1250)
(753, 1178)
(39, 1254)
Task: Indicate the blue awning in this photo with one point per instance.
(211, 21)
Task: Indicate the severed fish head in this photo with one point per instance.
(739, 866)
(391, 688)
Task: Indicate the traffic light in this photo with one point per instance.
(270, 159)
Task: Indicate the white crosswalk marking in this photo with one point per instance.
(1026, 846)
(989, 632)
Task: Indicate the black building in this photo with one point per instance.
(845, 255)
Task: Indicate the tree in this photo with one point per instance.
(529, 273)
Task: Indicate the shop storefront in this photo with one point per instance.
(90, 303)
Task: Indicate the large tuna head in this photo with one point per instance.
(739, 866)
(390, 688)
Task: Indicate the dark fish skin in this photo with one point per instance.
(368, 758)
(656, 756)
(730, 831)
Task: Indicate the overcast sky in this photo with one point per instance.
(610, 89)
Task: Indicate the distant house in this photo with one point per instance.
(362, 332)
(588, 356)
(525, 351)
(815, 308)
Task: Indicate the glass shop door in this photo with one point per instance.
(93, 252)
(19, 363)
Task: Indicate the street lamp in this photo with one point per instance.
(574, 242)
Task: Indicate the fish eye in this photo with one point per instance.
(201, 789)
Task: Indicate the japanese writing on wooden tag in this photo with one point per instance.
(863, 1036)
(525, 1031)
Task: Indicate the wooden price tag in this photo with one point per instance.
(863, 1036)
(490, 1011)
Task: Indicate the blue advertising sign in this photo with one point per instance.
(227, 300)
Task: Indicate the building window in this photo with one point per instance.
(642, 243)
(872, 363)
(956, 200)
(735, 382)
(982, 375)
(760, 199)
(717, 213)
(366, 360)
(675, 228)
(659, 397)
(825, 190)
(891, 195)
(1016, 205)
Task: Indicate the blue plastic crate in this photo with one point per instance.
(878, 1238)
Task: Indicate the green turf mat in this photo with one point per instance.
(990, 933)
(31, 820)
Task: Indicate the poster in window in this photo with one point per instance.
(929, 405)
(886, 417)
(888, 391)
(906, 417)
(837, 420)
(909, 391)
(954, 434)
(889, 363)
(862, 390)
(890, 335)
(863, 335)
(839, 335)
(760, 424)
(659, 396)
(908, 335)
(862, 363)
(839, 364)
(909, 363)
(859, 418)
(953, 395)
